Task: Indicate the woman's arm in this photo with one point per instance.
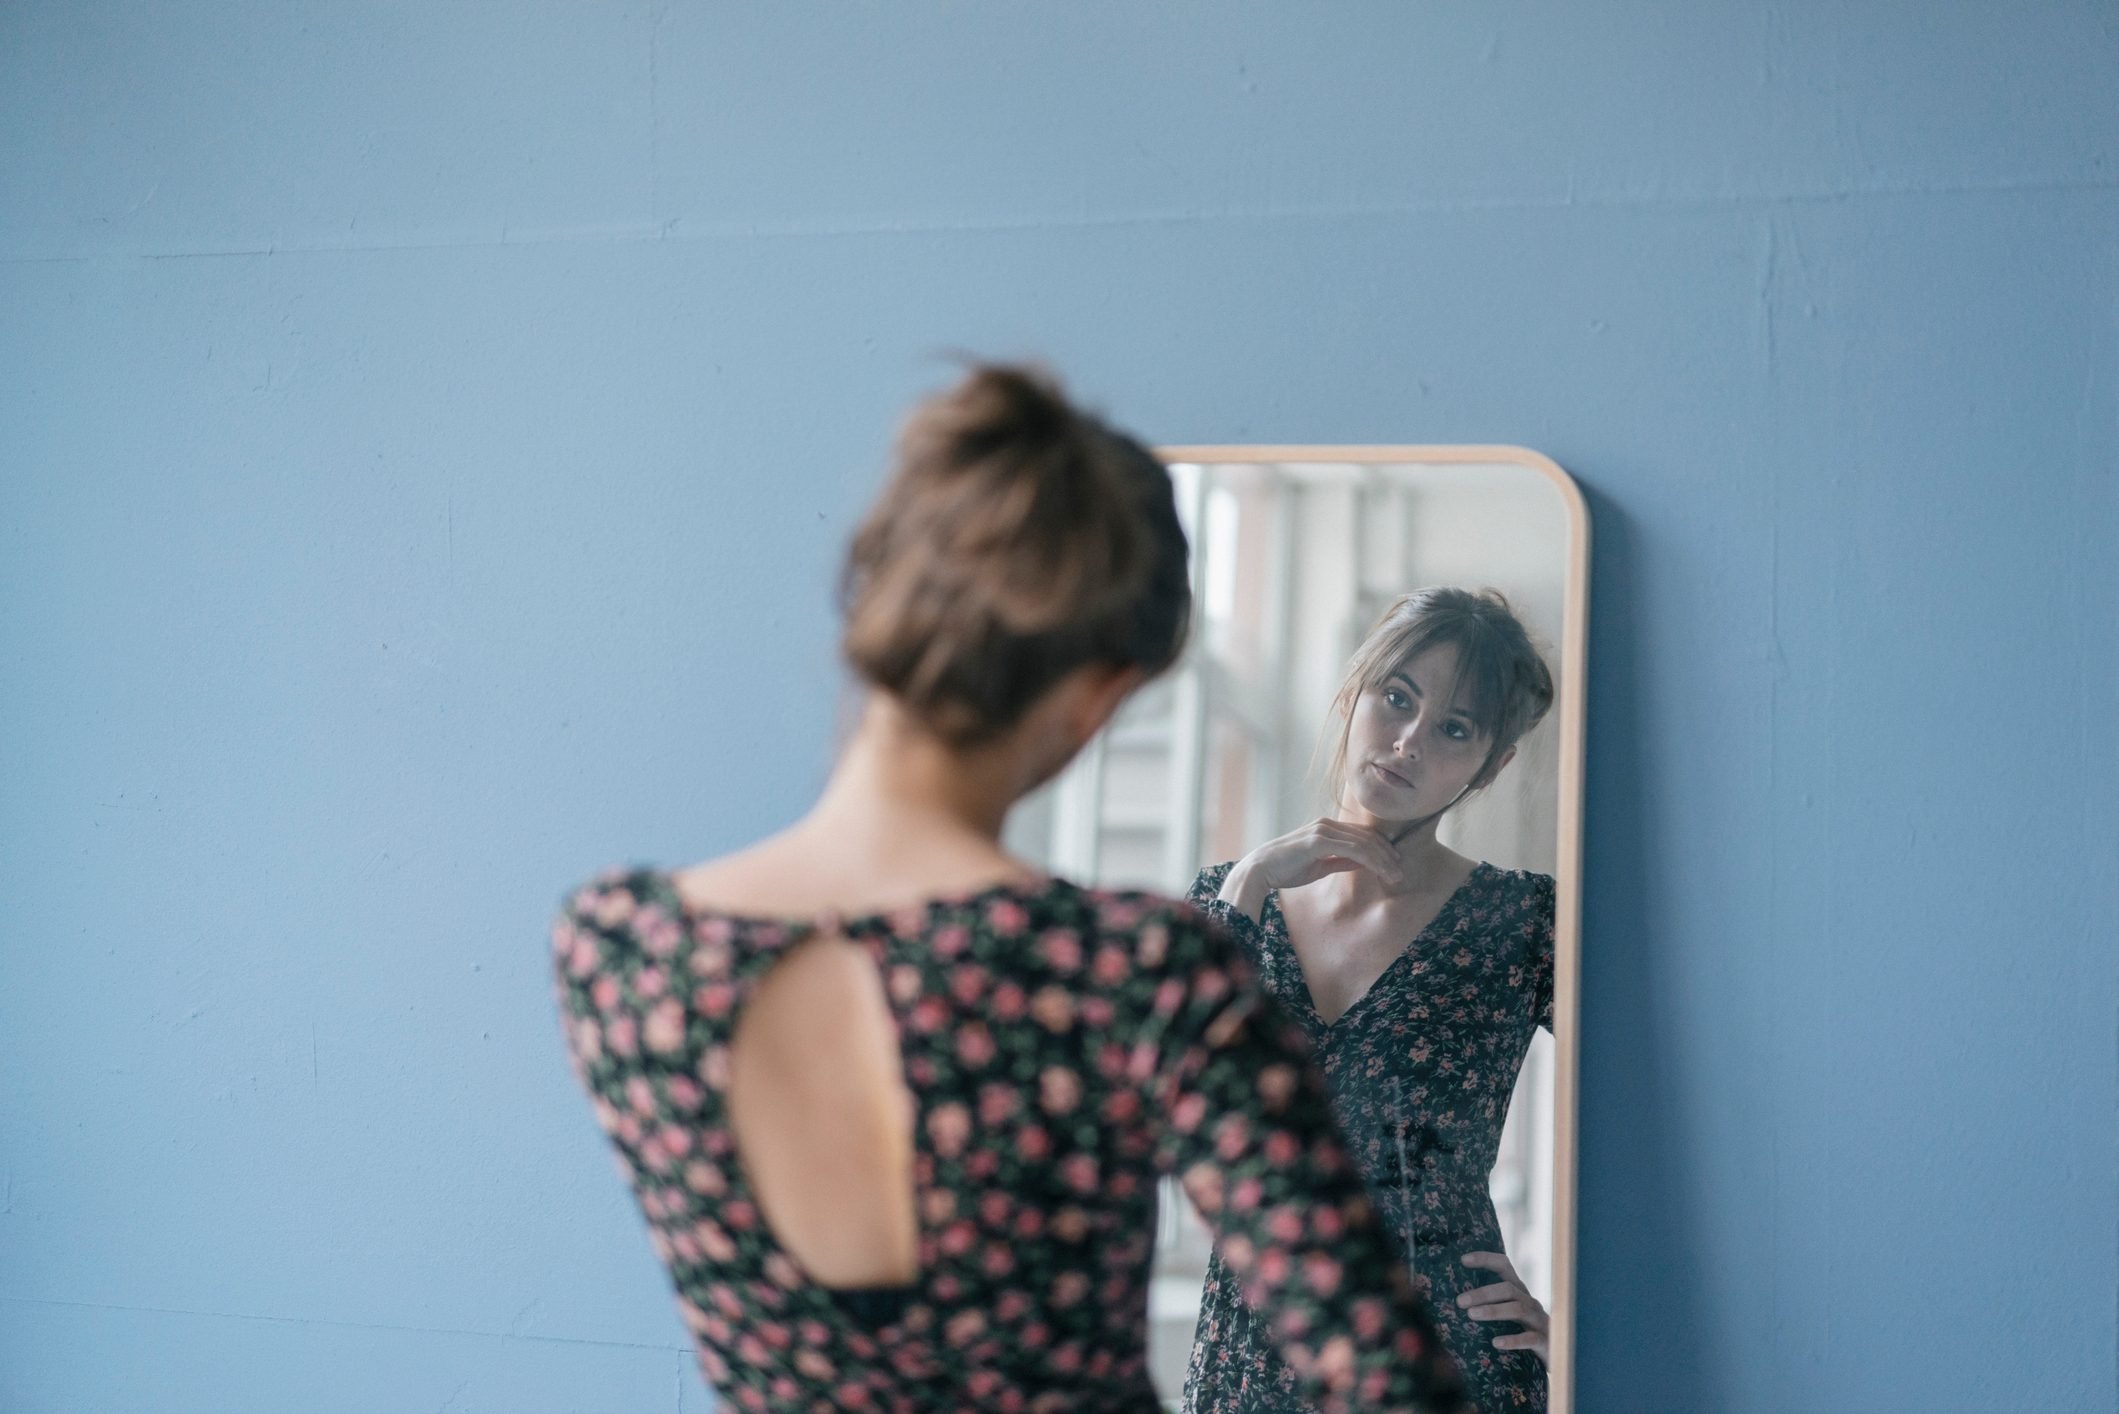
(1247, 1127)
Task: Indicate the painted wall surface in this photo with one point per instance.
(427, 433)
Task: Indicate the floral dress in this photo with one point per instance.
(1064, 1047)
(1420, 1069)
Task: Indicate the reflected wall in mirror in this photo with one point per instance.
(1454, 1087)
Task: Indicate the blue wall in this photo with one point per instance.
(427, 432)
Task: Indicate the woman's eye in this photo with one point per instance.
(1397, 699)
(1457, 731)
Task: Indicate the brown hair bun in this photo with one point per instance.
(1018, 539)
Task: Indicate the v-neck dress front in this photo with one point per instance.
(1420, 1068)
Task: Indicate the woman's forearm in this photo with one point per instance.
(1245, 891)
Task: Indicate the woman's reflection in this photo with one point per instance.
(1419, 974)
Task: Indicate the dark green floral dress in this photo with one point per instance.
(1064, 1047)
(1421, 1068)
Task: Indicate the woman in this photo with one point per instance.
(893, 1102)
(1418, 975)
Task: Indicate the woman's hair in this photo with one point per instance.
(1019, 538)
(1502, 683)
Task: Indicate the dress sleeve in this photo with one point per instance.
(1544, 910)
(1205, 895)
(1244, 1121)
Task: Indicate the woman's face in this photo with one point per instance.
(1410, 750)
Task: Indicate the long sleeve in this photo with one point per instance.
(1247, 1127)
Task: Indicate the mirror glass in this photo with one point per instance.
(1297, 553)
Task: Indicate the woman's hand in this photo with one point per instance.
(1508, 1300)
(1305, 855)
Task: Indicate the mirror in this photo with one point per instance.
(1458, 1105)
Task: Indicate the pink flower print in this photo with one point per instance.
(1111, 966)
(1189, 1110)
(622, 1036)
(603, 993)
(982, 1385)
(1010, 1306)
(974, 1045)
(1080, 1172)
(713, 1068)
(1008, 1001)
(1281, 1148)
(685, 1246)
(1061, 949)
(1007, 916)
(929, 1015)
(585, 958)
(704, 1178)
(1141, 1061)
(1276, 1086)
(1068, 1288)
(1054, 1008)
(1272, 1267)
(612, 908)
(606, 1115)
(1203, 1184)
(905, 984)
(850, 1396)
(683, 1092)
(815, 1366)
(1029, 1223)
(1326, 1222)
(657, 931)
(997, 1261)
(1032, 1143)
(665, 1027)
(640, 1095)
(983, 1164)
(1285, 1224)
(739, 1216)
(1152, 946)
(714, 1367)
(963, 1328)
(938, 1205)
(967, 983)
(1169, 997)
(711, 959)
(588, 1040)
(1059, 1089)
(649, 982)
(1097, 1012)
(1123, 1107)
(1321, 1274)
(676, 1142)
(948, 1126)
(1247, 1194)
(951, 941)
(959, 1238)
(1369, 1318)
(1070, 1224)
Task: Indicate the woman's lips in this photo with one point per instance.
(1389, 775)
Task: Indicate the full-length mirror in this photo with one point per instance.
(1368, 764)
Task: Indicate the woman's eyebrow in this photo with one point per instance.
(1410, 684)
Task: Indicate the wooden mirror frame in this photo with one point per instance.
(1567, 906)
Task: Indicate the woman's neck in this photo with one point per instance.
(1418, 845)
(895, 784)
